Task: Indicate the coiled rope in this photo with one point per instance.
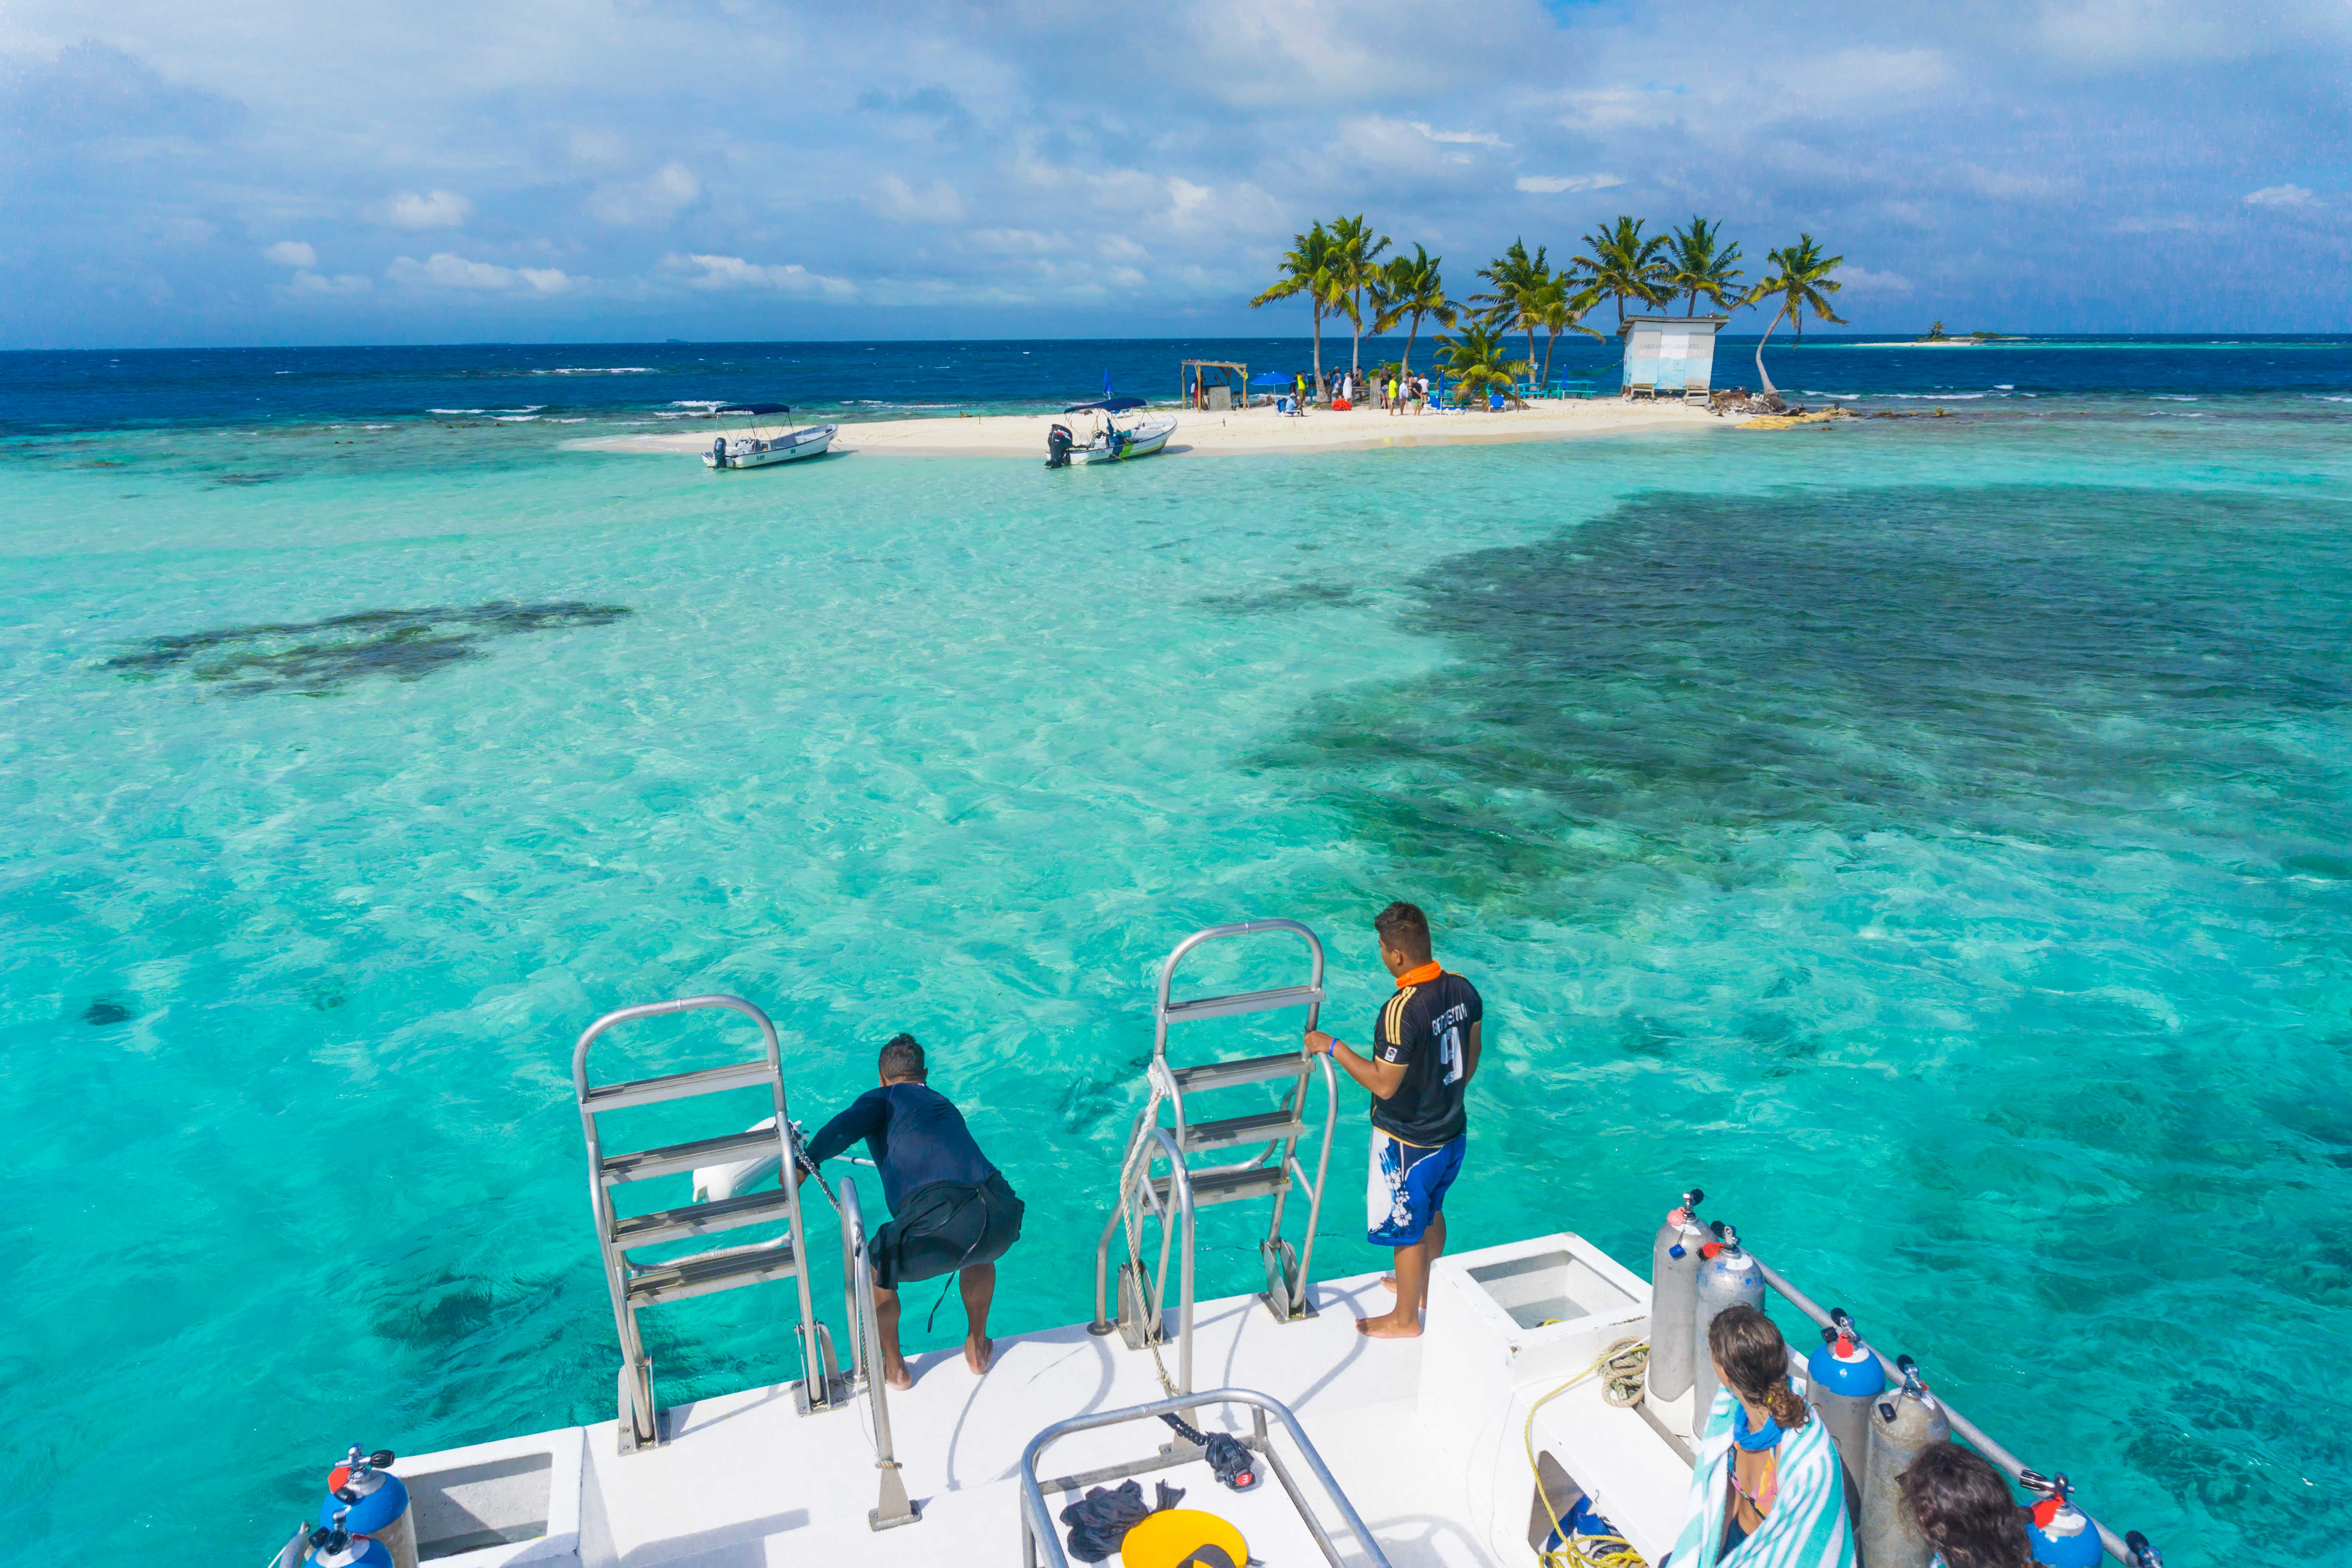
(1624, 1369)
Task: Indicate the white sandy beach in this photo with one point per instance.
(1239, 431)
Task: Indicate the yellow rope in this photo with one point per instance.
(1623, 1365)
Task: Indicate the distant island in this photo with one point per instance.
(1935, 334)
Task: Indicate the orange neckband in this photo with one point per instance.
(1421, 977)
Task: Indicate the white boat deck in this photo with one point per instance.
(1438, 1473)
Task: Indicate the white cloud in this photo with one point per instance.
(307, 282)
(1553, 184)
(2282, 197)
(1862, 281)
(1466, 138)
(443, 270)
(657, 198)
(291, 253)
(734, 272)
(893, 198)
(427, 209)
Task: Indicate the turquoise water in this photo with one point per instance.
(1929, 838)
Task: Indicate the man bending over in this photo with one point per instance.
(1424, 1050)
(951, 1210)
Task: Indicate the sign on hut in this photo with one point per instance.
(1215, 385)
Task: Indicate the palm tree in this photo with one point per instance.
(1559, 308)
(1698, 262)
(1305, 269)
(1354, 265)
(1409, 288)
(1619, 262)
(1516, 282)
(1799, 279)
(1475, 359)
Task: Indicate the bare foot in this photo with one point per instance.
(1394, 1326)
(896, 1374)
(979, 1353)
(1387, 1283)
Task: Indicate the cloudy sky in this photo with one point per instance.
(279, 172)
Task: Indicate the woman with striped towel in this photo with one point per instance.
(1766, 1492)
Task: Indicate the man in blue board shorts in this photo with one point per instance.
(951, 1211)
(1424, 1052)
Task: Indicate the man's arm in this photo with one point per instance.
(1381, 1077)
(1470, 1056)
(862, 1119)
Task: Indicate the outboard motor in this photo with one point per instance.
(1726, 1278)
(1674, 1298)
(1843, 1377)
(1058, 442)
(2061, 1534)
(364, 1497)
(719, 450)
(1903, 1424)
(332, 1546)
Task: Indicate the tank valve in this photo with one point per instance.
(2142, 1556)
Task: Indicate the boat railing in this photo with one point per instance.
(2132, 1550)
(892, 1507)
(1040, 1543)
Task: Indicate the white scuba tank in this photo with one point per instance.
(1674, 1298)
(1726, 1278)
(1903, 1422)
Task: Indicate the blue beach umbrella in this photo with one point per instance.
(1270, 378)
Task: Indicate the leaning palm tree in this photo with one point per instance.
(1799, 279)
(1410, 289)
(1306, 268)
(1621, 263)
(1698, 262)
(1354, 265)
(1476, 361)
(1559, 308)
(1515, 283)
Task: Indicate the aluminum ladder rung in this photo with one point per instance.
(1243, 1069)
(687, 1277)
(701, 1219)
(644, 1164)
(1264, 1127)
(1227, 1186)
(676, 1086)
(1242, 1002)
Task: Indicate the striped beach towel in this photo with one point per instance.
(1807, 1526)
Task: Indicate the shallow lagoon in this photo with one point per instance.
(1927, 836)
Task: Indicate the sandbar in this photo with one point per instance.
(1229, 433)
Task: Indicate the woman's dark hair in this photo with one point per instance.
(1965, 1509)
(1755, 1363)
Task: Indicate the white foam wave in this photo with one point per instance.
(2172, 397)
(526, 408)
(1941, 396)
(598, 370)
(456, 411)
(581, 419)
(514, 418)
(1841, 396)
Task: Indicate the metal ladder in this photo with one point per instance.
(1272, 1172)
(635, 1284)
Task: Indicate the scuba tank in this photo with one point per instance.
(1726, 1278)
(1842, 1378)
(2142, 1556)
(332, 1546)
(1903, 1424)
(1673, 1274)
(364, 1497)
(2061, 1534)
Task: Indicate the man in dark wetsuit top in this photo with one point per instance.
(951, 1210)
(1424, 1051)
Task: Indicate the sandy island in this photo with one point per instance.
(1224, 435)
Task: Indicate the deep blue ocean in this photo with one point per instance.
(1930, 836)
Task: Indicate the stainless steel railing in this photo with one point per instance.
(892, 1507)
(1037, 1522)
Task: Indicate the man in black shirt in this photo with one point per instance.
(1424, 1050)
(951, 1210)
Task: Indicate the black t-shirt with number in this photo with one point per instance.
(1427, 1027)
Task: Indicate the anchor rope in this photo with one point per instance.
(1624, 1369)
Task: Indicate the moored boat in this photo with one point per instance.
(1105, 440)
(767, 443)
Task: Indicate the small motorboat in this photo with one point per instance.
(1106, 440)
(768, 442)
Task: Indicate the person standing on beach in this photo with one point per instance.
(951, 1211)
(1425, 1053)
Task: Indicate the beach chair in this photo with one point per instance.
(1576, 389)
(1696, 391)
(1638, 389)
(1494, 403)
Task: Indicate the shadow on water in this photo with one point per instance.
(316, 659)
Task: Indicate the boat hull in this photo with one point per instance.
(1149, 436)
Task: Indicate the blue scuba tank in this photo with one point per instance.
(2061, 1534)
(1842, 1376)
(371, 1501)
(334, 1546)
